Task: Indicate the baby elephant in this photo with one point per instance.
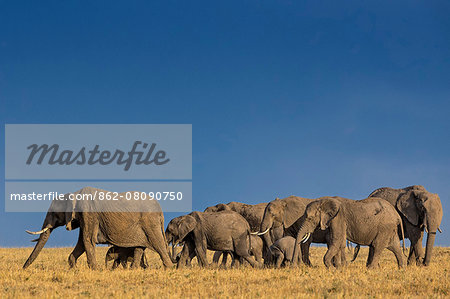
(123, 255)
(281, 252)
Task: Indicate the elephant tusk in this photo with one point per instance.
(264, 232)
(38, 232)
(305, 238)
(254, 233)
(439, 229)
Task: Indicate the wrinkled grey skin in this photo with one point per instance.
(281, 252)
(287, 214)
(252, 213)
(219, 231)
(123, 255)
(420, 210)
(372, 222)
(123, 229)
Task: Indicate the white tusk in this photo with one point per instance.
(263, 233)
(255, 233)
(37, 233)
(439, 229)
(305, 238)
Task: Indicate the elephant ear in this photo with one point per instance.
(328, 210)
(186, 226)
(406, 204)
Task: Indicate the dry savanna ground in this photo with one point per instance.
(49, 276)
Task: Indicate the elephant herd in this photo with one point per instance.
(276, 233)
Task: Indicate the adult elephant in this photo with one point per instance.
(420, 210)
(372, 222)
(287, 214)
(254, 215)
(138, 224)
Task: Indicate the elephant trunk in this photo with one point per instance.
(430, 244)
(429, 249)
(303, 235)
(172, 255)
(264, 229)
(37, 249)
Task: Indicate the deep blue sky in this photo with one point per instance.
(310, 98)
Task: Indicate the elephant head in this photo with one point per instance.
(317, 214)
(423, 209)
(177, 229)
(61, 212)
(273, 218)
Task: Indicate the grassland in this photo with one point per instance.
(49, 276)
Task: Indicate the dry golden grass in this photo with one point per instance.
(49, 276)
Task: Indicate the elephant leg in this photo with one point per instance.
(217, 255)
(395, 248)
(137, 258)
(279, 260)
(332, 251)
(250, 260)
(411, 255)
(235, 263)
(343, 257)
(144, 263)
(157, 240)
(305, 252)
(200, 251)
(191, 256)
(370, 257)
(375, 257)
(225, 259)
(242, 250)
(336, 260)
(89, 245)
(258, 257)
(160, 248)
(77, 251)
(116, 263)
(184, 256)
(418, 249)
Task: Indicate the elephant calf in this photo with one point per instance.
(281, 252)
(123, 255)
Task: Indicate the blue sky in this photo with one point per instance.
(312, 98)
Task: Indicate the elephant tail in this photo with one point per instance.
(355, 253)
